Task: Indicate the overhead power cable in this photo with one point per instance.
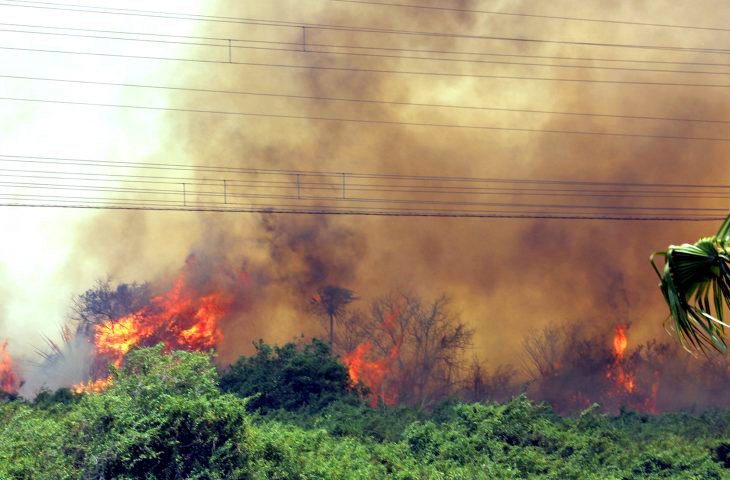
(359, 100)
(98, 184)
(368, 121)
(310, 49)
(384, 71)
(349, 198)
(346, 28)
(178, 167)
(359, 187)
(533, 15)
(29, 178)
(298, 47)
(364, 212)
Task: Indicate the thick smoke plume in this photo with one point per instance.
(509, 278)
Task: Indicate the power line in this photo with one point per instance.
(532, 15)
(367, 121)
(273, 210)
(318, 173)
(224, 44)
(298, 48)
(344, 199)
(359, 100)
(84, 202)
(333, 27)
(386, 71)
(355, 193)
(357, 187)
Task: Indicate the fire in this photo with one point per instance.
(620, 341)
(183, 318)
(617, 371)
(374, 372)
(632, 391)
(9, 381)
(92, 386)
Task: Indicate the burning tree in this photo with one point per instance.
(103, 303)
(9, 380)
(408, 350)
(571, 370)
(695, 284)
(185, 317)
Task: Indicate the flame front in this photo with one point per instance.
(9, 381)
(180, 319)
(374, 373)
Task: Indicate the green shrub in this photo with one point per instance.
(289, 378)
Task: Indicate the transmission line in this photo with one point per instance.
(346, 28)
(368, 121)
(386, 71)
(224, 44)
(297, 47)
(359, 100)
(532, 15)
(316, 173)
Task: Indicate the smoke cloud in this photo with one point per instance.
(508, 277)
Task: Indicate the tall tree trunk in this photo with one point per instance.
(332, 333)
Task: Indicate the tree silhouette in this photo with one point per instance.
(331, 301)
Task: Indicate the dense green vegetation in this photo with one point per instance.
(289, 413)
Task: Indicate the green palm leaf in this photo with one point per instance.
(695, 283)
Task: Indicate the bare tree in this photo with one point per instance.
(424, 342)
(482, 386)
(544, 350)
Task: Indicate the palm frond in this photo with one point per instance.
(695, 282)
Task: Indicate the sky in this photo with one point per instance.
(507, 277)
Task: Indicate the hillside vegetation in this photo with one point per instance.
(292, 413)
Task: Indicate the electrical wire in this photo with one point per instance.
(307, 49)
(286, 186)
(532, 15)
(368, 121)
(315, 173)
(224, 43)
(358, 100)
(334, 27)
(384, 71)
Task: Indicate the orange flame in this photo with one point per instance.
(92, 386)
(374, 373)
(617, 372)
(620, 341)
(9, 381)
(182, 319)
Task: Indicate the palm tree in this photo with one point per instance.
(332, 301)
(696, 284)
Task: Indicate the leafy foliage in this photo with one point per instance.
(696, 286)
(289, 378)
(165, 417)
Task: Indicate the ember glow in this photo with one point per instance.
(364, 365)
(9, 380)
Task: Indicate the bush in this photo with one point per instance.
(289, 378)
(162, 417)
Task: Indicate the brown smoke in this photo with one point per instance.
(508, 277)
